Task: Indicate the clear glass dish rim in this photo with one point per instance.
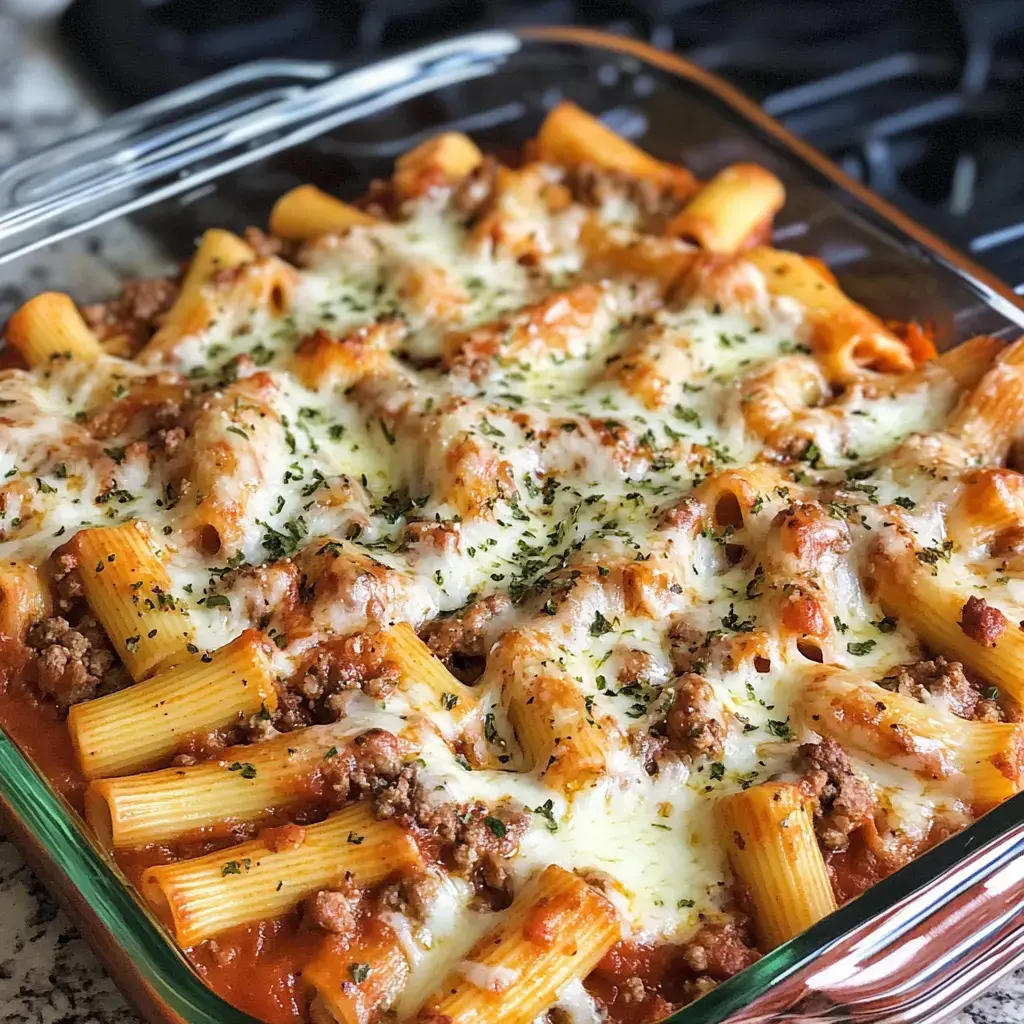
(69, 855)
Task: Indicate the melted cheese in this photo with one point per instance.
(331, 466)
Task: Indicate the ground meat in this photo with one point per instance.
(694, 650)
(692, 727)
(370, 765)
(485, 842)
(411, 895)
(66, 583)
(685, 514)
(637, 666)
(647, 747)
(136, 313)
(331, 911)
(380, 199)
(720, 950)
(946, 680)
(595, 186)
(74, 663)
(632, 990)
(400, 800)
(474, 840)
(981, 622)
(168, 440)
(845, 800)
(688, 647)
(262, 243)
(462, 641)
(320, 692)
(377, 755)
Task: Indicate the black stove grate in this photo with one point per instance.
(923, 101)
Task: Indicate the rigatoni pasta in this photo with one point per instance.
(49, 327)
(246, 784)
(256, 880)
(844, 337)
(355, 979)
(556, 931)
(768, 834)
(126, 584)
(306, 212)
(143, 725)
(730, 209)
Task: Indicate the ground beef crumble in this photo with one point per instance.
(647, 748)
(844, 799)
(368, 766)
(947, 681)
(66, 584)
(136, 313)
(411, 895)
(720, 949)
(320, 691)
(474, 841)
(655, 203)
(692, 726)
(981, 622)
(462, 640)
(74, 663)
(330, 911)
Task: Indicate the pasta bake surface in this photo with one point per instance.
(524, 595)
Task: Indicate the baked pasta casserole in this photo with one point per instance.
(521, 596)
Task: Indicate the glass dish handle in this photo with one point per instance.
(147, 141)
(179, 141)
(921, 959)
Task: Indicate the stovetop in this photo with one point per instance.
(923, 101)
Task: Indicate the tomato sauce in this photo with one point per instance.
(38, 728)
(665, 979)
(258, 967)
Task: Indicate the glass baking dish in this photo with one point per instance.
(129, 198)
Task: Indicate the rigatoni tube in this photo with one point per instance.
(429, 686)
(558, 732)
(844, 337)
(144, 725)
(556, 931)
(768, 835)
(128, 589)
(908, 591)
(356, 977)
(731, 210)
(24, 598)
(254, 881)
(306, 212)
(570, 136)
(245, 784)
(49, 327)
(984, 758)
(218, 251)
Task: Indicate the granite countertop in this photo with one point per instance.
(48, 975)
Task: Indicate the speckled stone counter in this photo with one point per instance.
(48, 975)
